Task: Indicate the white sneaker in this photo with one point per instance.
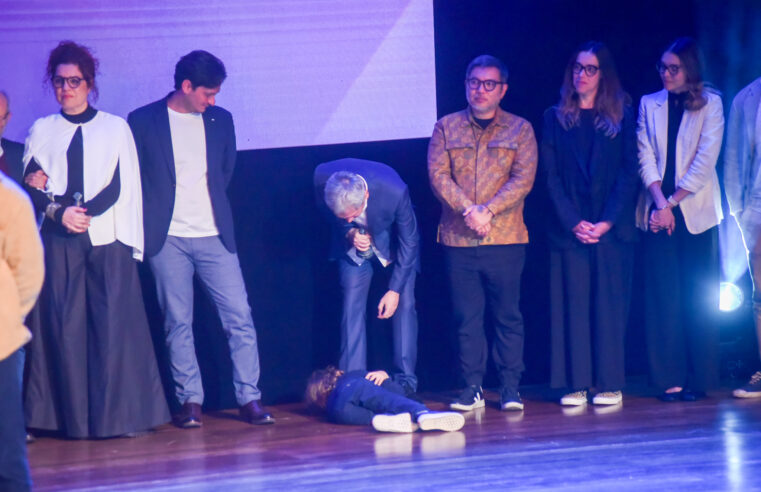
(750, 390)
(608, 398)
(443, 421)
(401, 422)
(574, 399)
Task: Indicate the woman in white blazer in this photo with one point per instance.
(679, 135)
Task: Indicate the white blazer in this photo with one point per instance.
(697, 149)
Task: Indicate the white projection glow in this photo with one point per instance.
(300, 73)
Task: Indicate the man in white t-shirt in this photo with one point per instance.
(186, 147)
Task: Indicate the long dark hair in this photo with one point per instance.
(319, 386)
(686, 49)
(609, 101)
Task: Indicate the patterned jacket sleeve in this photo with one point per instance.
(440, 173)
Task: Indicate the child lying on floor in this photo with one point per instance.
(362, 398)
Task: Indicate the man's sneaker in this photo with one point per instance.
(510, 399)
(750, 390)
(608, 398)
(443, 421)
(470, 398)
(401, 422)
(574, 399)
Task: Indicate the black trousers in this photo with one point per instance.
(481, 276)
(92, 367)
(681, 304)
(14, 470)
(590, 289)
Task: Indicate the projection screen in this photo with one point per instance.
(300, 73)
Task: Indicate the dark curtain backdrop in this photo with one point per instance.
(283, 242)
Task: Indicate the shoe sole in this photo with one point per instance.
(401, 422)
(443, 421)
(739, 393)
(512, 406)
(465, 408)
(572, 403)
(190, 424)
(607, 401)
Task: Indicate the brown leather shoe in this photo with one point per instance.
(254, 413)
(189, 416)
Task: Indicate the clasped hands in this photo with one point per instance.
(589, 233)
(74, 219)
(662, 220)
(478, 218)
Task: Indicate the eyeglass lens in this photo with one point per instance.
(73, 82)
(590, 70)
(489, 85)
(672, 69)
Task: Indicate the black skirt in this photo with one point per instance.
(92, 369)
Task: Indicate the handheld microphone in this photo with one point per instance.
(368, 253)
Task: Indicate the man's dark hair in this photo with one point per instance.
(486, 61)
(201, 68)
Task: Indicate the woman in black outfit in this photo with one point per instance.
(93, 371)
(679, 137)
(589, 161)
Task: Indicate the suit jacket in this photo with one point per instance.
(598, 187)
(150, 126)
(697, 150)
(742, 152)
(14, 153)
(390, 219)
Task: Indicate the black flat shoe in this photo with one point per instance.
(670, 397)
(692, 395)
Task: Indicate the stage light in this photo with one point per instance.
(730, 297)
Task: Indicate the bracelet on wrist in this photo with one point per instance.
(51, 209)
(672, 201)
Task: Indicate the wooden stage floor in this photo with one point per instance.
(643, 445)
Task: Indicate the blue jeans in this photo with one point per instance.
(14, 470)
(355, 284)
(219, 272)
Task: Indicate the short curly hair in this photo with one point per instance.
(69, 52)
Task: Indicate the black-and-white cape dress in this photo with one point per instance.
(92, 368)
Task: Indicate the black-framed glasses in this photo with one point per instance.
(489, 85)
(672, 69)
(590, 70)
(73, 82)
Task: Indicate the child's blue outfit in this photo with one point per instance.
(355, 400)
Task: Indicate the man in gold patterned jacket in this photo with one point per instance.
(482, 163)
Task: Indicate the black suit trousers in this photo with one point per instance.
(590, 289)
(481, 276)
(681, 305)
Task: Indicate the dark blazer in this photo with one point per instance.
(150, 126)
(14, 153)
(603, 188)
(390, 219)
